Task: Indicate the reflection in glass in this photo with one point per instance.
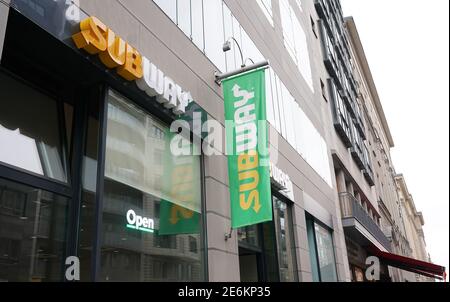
(270, 252)
(312, 250)
(88, 202)
(152, 201)
(29, 140)
(325, 251)
(285, 241)
(320, 242)
(249, 236)
(32, 234)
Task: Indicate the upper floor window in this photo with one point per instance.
(295, 41)
(266, 6)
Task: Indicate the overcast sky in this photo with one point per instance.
(406, 43)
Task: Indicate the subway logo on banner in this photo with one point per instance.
(247, 149)
(246, 144)
(97, 39)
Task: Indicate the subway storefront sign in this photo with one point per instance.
(115, 53)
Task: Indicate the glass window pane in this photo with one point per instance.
(302, 52)
(270, 252)
(312, 250)
(249, 235)
(289, 122)
(249, 49)
(282, 103)
(298, 128)
(325, 252)
(276, 100)
(197, 23)
(266, 7)
(169, 7)
(68, 119)
(285, 241)
(88, 202)
(295, 41)
(184, 16)
(29, 140)
(32, 234)
(237, 34)
(269, 96)
(152, 201)
(214, 34)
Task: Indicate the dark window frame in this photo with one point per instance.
(70, 162)
(310, 218)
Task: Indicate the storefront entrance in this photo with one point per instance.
(250, 265)
(266, 251)
(85, 171)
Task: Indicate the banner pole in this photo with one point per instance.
(221, 76)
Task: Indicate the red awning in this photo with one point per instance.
(408, 264)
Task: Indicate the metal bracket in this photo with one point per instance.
(229, 235)
(221, 76)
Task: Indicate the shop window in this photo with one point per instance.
(32, 234)
(285, 240)
(151, 219)
(30, 139)
(321, 250)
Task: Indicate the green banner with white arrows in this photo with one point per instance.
(247, 148)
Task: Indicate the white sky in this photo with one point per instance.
(407, 46)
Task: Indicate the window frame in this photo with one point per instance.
(72, 163)
(30, 178)
(290, 212)
(99, 198)
(311, 219)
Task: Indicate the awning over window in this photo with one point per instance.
(408, 264)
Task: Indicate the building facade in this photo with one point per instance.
(377, 142)
(86, 136)
(355, 180)
(414, 222)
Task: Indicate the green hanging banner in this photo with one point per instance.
(247, 148)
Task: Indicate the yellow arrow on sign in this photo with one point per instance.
(185, 214)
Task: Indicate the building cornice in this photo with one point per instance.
(362, 59)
